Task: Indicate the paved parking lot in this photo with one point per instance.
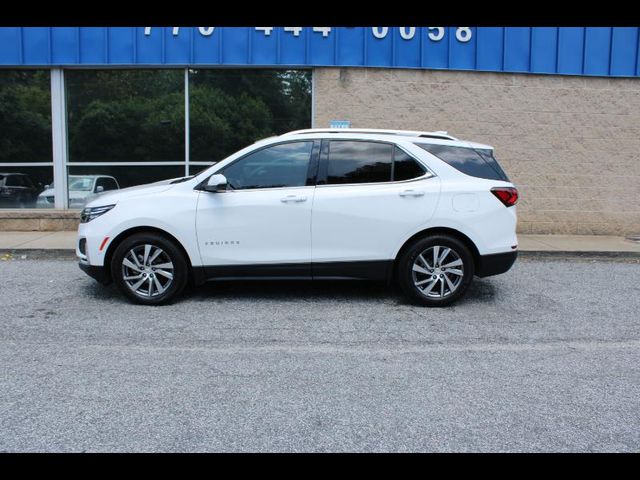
(543, 358)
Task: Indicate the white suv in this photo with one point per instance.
(423, 209)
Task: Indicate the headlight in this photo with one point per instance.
(89, 214)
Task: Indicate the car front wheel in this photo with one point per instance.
(435, 271)
(149, 269)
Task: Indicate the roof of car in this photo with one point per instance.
(440, 136)
(90, 176)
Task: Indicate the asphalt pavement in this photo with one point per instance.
(543, 358)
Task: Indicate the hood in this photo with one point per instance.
(49, 192)
(113, 196)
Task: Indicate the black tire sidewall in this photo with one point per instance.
(405, 276)
(180, 272)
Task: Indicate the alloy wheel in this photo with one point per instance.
(437, 271)
(147, 270)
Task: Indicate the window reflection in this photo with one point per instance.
(359, 162)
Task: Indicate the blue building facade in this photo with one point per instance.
(594, 51)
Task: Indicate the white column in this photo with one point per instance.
(313, 98)
(186, 121)
(59, 131)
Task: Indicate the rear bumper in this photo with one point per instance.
(97, 273)
(495, 264)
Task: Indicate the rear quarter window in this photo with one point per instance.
(474, 162)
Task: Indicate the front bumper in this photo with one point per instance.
(496, 263)
(97, 273)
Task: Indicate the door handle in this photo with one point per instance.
(412, 193)
(293, 199)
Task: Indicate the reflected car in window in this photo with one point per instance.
(82, 189)
(18, 190)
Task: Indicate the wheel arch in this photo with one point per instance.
(113, 245)
(475, 253)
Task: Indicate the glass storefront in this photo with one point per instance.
(26, 158)
(127, 127)
(230, 109)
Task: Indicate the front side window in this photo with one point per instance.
(283, 165)
(14, 181)
(359, 162)
(106, 183)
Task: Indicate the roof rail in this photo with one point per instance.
(377, 131)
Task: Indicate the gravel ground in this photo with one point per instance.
(543, 358)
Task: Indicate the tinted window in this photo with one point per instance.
(359, 162)
(467, 160)
(488, 157)
(405, 167)
(28, 182)
(283, 165)
(14, 181)
(106, 183)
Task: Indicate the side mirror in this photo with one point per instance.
(99, 189)
(216, 184)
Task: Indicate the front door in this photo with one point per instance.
(261, 226)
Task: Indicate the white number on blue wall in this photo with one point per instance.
(435, 34)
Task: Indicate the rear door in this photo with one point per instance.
(369, 196)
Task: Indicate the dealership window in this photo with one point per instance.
(125, 128)
(232, 108)
(26, 154)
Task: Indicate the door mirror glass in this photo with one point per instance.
(217, 183)
(99, 189)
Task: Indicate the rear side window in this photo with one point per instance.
(359, 162)
(476, 163)
(405, 167)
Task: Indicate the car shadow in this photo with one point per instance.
(481, 290)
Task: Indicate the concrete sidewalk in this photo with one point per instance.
(527, 243)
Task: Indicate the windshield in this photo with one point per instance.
(81, 184)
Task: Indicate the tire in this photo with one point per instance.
(157, 277)
(416, 278)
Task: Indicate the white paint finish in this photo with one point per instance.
(366, 221)
(300, 224)
(59, 135)
(261, 226)
(465, 202)
(171, 208)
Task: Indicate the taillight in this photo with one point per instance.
(507, 195)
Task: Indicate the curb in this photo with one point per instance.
(65, 253)
(578, 254)
(37, 254)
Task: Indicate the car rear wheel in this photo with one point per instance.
(435, 271)
(149, 269)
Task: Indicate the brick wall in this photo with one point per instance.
(570, 144)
